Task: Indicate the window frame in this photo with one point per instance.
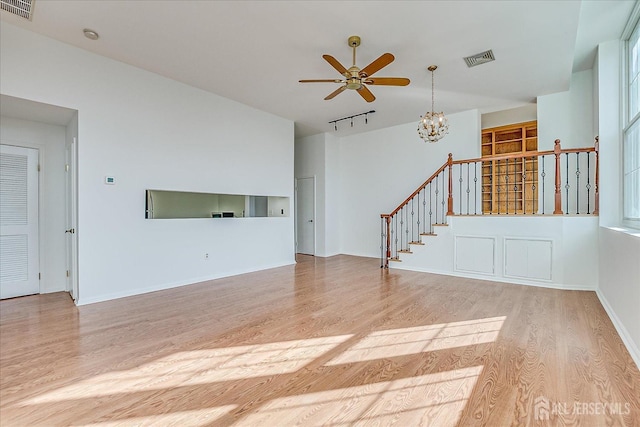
(629, 124)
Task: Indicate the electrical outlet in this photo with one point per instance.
(206, 256)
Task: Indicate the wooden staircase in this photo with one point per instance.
(574, 192)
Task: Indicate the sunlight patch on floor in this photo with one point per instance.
(430, 400)
(199, 367)
(419, 339)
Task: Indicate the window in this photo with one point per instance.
(631, 144)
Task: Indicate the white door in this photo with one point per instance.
(19, 264)
(70, 231)
(305, 216)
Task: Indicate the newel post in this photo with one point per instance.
(450, 198)
(597, 194)
(557, 150)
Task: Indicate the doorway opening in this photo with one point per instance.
(52, 131)
(305, 204)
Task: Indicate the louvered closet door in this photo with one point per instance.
(18, 221)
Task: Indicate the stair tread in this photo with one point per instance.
(428, 234)
(395, 259)
(405, 251)
(416, 243)
(440, 225)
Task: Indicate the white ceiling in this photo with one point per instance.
(255, 52)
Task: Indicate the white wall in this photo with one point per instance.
(310, 162)
(609, 126)
(380, 169)
(574, 256)
(619, 281)
(582, 132)
(568, 116)
(50, 142)
(319, 156)
(619, 288)
(333, 188)
(526, 113)
(152, 132)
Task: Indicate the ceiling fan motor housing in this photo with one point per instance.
(354, 80)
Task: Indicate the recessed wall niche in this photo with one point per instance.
(165, 204)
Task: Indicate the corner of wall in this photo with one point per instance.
(633, 349)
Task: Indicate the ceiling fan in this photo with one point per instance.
(356, 78)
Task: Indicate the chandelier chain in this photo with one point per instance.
(433, 96)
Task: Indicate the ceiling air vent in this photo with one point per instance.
(22, 8)
(479, 58)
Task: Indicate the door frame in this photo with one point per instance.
(297, 217)
(71, 215)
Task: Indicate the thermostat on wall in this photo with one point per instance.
(111, 180)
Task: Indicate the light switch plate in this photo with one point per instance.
(110, 180)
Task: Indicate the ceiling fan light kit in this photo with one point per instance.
(356, 78)
(433, 126)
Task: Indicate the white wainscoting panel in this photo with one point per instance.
(528, 258)
(475, 254)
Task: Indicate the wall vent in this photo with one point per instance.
(479, 58)
(21, 8)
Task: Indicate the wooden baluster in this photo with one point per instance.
(596, 201)
(557, 150)
(450, 198)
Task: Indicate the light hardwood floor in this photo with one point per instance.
(331, 342)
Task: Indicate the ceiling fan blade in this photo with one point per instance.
(322, 81)
(366, 94)
(335, 64)
(384, 60)
(335, 92)
(387, 81)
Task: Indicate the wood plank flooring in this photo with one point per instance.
(328, 342)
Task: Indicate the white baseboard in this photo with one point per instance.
(500, 279)
(632, 347)
(327, 255)
(361, 255)
(164, 286)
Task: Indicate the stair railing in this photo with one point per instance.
(416, 215)
(513, 184)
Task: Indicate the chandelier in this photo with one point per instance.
(433, 126)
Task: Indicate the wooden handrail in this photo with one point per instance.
(504, 157)
(523, 155)
(578, 150)
(408, 199)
